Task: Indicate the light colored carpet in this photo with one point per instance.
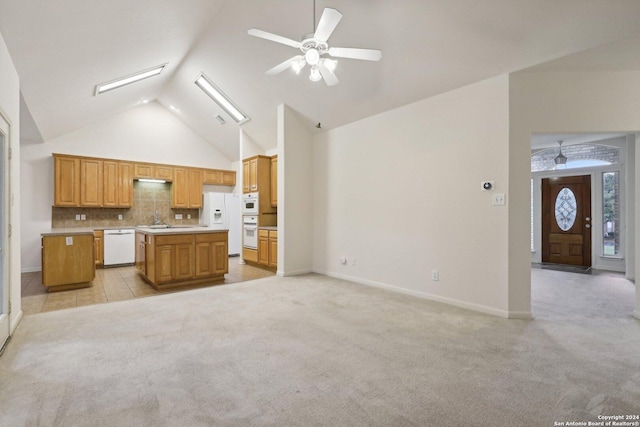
(313, 350)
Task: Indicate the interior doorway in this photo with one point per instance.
(566, 220)
(4, 231)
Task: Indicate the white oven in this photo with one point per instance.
(250, 232)
(250, 204)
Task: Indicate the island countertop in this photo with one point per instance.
(195, 229)
(70, 231)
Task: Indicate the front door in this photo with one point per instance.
(4, 231)
(566, 220)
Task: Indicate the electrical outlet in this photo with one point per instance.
(78, 217)
(83, 217)
(435, 276)
(178, 216)
(188, 216)
(119, 217)
(498, 199)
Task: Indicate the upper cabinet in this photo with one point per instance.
(94, 182)
(256, 174)
(66, 181)
(274, 181)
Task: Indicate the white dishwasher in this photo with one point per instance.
(119, 246)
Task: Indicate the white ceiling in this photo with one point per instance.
(63, 49)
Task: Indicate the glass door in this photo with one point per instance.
(4, 231)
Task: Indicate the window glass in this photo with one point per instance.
(578, 156)
(566, 208)
(610, 214)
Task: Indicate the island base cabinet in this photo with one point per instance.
(68, 262)
(173, 260)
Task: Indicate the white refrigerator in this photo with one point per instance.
(222, 210)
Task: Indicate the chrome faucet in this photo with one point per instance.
(156, 220)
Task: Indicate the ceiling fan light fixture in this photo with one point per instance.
(315, 75)
(312, 56)
(298, 65)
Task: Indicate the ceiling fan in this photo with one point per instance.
(314, 46)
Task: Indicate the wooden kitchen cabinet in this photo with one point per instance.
(118, 184)
(66, 181)
(98, 247)
(141, 252)
(175, 259)
(91, 185)
(68, 261)
(186, 190)
(152, 171)
(256, 174)
(212, 254)
(268, 248)
(274, 181)
(164, 172)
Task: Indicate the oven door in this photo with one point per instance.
(250, 236)
(250, 207)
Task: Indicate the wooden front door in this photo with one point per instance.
(566, 220)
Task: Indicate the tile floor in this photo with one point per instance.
(114, 284)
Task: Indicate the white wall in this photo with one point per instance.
(148, 133)
(10, 107)
(295, 194)
(557, 102)
(400, 193)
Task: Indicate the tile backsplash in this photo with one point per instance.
(147, 198)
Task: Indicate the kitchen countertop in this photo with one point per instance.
(180, 230)
(268, 227)
(68, 231)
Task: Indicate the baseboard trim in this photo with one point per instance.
(522, 315)
(14, 324)
(425, 295)
(293, 273)
(31, 269)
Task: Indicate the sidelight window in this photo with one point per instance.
(611, 214)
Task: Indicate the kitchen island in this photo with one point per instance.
(168, 257)
(67, 259)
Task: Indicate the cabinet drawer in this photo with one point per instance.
(250, 254)
(211, 237)
(176, 239)
(273, 234)
(263, 233)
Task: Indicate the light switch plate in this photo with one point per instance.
(178, 216)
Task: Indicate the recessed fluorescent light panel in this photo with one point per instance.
(114, 84)
(221, 99)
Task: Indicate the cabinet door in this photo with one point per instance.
(125, 185)
(263, 250)
(274, 181)
(141, 261)
(228, 178)
(220, 257)
(144, 170)
(253, 174)
(98, 246)
(165, 263)
(184, 263)
(273, 249)
(67, 181)
(91, 186)
(110, 181)
(164, 172)
(195, 188)
(203, 259)
(212, 177)
(180, 188)
(246, 176)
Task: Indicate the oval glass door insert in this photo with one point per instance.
(566, 209)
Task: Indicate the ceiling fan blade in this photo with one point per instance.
(273, 37)
(329, 78)
(328, 22)
(283, 65)
(355, 53)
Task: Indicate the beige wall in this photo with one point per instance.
(10, 108)
(401, 193)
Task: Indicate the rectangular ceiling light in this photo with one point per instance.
(221, 99)
(114, 84)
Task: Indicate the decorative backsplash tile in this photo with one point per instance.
(147, 198)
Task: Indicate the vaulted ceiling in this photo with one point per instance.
(62, 49)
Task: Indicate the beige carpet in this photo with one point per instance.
(317, 351)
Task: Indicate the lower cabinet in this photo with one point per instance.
(181, 259)
(268, 248)
(98, 246)
(68, 261)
